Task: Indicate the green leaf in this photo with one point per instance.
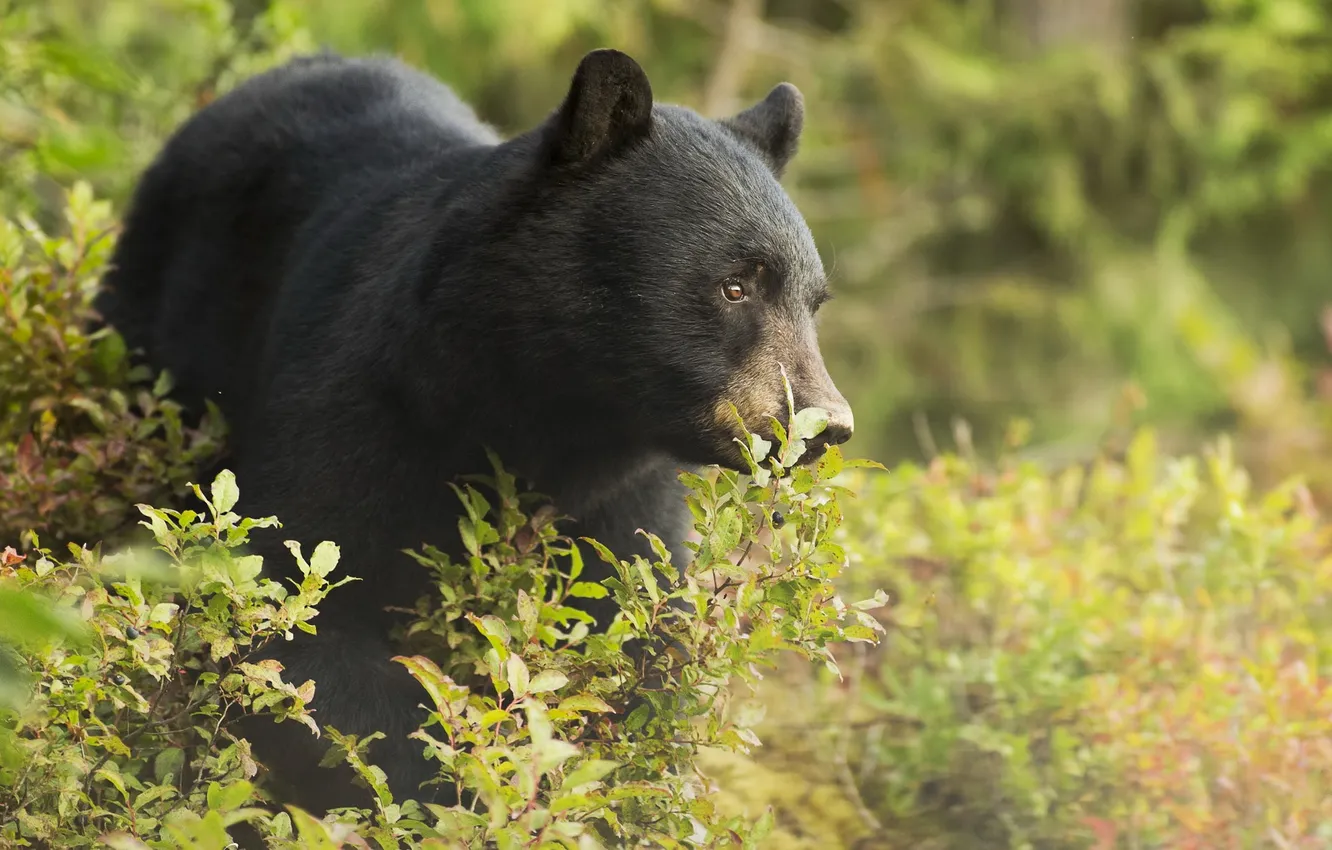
(168, 764)
(726, 533)
(762, 828)
(588, 590)
(862, 463)
(163, 384)
(547, 680)
(809, 423)
(225, 492)
(637, 718)
(860, 634)
(517, 675)
(878, 600)
(153, 794)
(494, 630)
(649, 580)
(495, 715)
(27, 618)
(592, 770)
(759, 448)
(575, 563)
(313, 834)
(163, 612)
(111, 773)
(443, 692)
(832, 463)
(585, 702)
(782, 593)
(247, 568)
(224, 798)
(467, 532)
(527, 613)
(325, 558)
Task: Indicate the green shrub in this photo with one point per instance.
(1128, 654)
(125, 721)
(82, 439)
(128, 731)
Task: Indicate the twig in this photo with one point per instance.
(733, 54)
(921, 425)
(840, 760)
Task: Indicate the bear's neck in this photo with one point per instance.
(564, 442)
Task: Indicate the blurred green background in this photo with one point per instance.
(1088, 214)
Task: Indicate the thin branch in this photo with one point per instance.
(733, 54)
(840, 758)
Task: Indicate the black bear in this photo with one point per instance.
(374, 287)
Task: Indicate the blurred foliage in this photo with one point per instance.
(89, 89)
(1131, 653)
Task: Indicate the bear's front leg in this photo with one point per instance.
(359, 689)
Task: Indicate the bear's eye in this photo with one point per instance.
(733, 291)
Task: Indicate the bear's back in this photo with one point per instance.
(218, 215)
(359, 112)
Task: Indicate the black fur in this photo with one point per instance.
(373, 287)
(772, 126)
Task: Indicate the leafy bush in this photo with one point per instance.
(531, 723)
(1127, 654)
(127, 723)
(82, 439)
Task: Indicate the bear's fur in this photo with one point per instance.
(374, 287)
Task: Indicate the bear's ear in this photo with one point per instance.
(772, 126)
(609, 105)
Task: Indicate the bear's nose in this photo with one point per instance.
(839, 428)
(841, 424)
(836, 433)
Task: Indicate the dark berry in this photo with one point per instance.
(778, 520)
(235, 632)
(131, 633)
(119, 678)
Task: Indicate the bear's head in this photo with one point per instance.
(701, 275)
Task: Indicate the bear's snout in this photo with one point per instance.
(841, 424)
(812, 386)
(760, 398)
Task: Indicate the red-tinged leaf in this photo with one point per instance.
(26, 458)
